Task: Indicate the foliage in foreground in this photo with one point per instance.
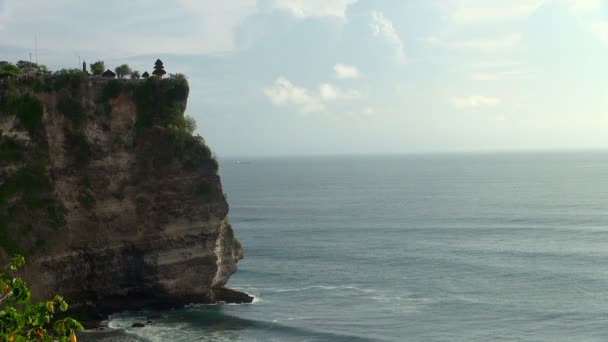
(24, 321)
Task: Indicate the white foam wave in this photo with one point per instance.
(325, 287)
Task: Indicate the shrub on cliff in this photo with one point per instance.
(24, 321)
(11, 150)
(111, 90)
(71, 109)
(8, 69)
(26, 108)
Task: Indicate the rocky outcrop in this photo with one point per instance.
(115, 205)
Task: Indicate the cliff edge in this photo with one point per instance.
(113, 202)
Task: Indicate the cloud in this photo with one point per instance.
(138, 27)
(590, 15)
(470, 12)
(344, 71)
(474, 102)
(329, 92)
(284, 93)
(503, 43)
(308, 8)
(381, 26)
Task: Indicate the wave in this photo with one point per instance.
(405, 302)
(211, 324)
(307, 288)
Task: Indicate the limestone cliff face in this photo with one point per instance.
(113, 203)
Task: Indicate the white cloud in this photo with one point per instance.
(344, 71)
(381, 26)
(309, 8)
(329, 92)
(474, 102)
(467, 12)
(283, 92)
(139, 27)
(503, 43)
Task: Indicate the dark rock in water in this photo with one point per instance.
(138, 325)
(231, 296)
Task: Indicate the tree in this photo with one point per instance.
(32, 67)
(8, 69)
(97, 68)
(122, 71)
(135, 75)
(24, 321)
(190, 124)
(159, 69)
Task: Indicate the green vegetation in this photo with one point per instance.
(87, 200)
(11, 150)
(122, 71)
(111, 90)
(26, 108)
(71, 109)
(70, 79)
(78, 147)
(8, 69)
(189, 124)
(97, 68)
(25, 195)
(24, 321)
(135, 75)
(161, 102)
(31, 67)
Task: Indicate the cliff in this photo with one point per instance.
(113, 202)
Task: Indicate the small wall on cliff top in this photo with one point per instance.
(105, 192)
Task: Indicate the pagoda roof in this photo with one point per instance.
(108, 74)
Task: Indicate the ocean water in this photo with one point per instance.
(462, 247)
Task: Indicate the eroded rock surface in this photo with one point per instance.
(130, 211)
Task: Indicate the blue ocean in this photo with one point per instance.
(454, 247)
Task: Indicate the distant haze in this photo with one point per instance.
(292, 77)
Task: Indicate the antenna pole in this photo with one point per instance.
(36, 46)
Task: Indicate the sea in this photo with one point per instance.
(425, 247)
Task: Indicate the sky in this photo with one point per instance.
(309, 77)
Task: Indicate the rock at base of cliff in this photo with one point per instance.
(231, 296)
